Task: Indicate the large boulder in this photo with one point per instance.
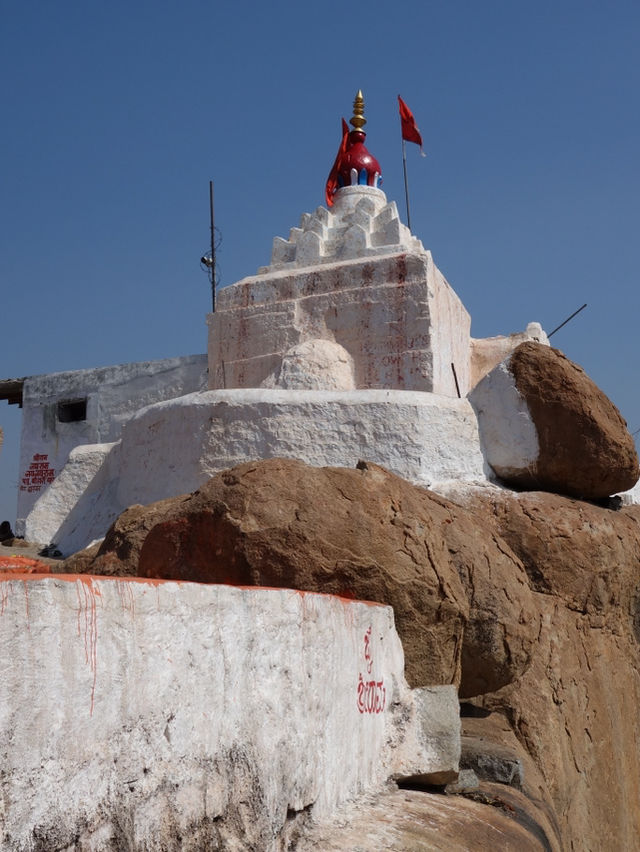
(118, 553)
(461, 599)
(545, 425)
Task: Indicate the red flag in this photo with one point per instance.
(332, 180)
(410, 130)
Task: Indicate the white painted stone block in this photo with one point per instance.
(146, 715)
(56, 503)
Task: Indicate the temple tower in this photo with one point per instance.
(351, 300)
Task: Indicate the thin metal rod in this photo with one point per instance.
(567, 319)
(455, 376)
(406, 183)
(213, 249)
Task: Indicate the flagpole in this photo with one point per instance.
(406, 183)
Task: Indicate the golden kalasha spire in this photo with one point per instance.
(358, 121)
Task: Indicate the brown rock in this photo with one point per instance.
(575, 709)
(461, 599)
(117, 555)
(585, 555)
(83, 561)
(585, 448)
(492, 817)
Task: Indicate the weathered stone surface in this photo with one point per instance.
(140, 715)
(489, 744)
(575, 709)
(363, 534)
(545, 425)
(488, 352)
(314, 365)
(493, 817)
(492, 762)
(584, 555)
(461, 599)
(438, 732)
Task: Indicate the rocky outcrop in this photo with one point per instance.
(461, 601)
(461, 598)
(529, 601)
(545, 425)
(575, 708)
(492, 817)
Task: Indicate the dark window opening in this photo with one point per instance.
(72, 410)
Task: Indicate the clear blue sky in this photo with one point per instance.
(116, 115)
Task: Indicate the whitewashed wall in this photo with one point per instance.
(113, 395)
(147, 715)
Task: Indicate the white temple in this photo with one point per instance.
(350, 345)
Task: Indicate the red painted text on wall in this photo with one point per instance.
(38, 473)
(372, 695)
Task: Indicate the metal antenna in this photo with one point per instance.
(213, 250)
(208, 260)
(567, 319)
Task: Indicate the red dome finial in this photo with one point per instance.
(354, 164)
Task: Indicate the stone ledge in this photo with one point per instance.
(174, 708)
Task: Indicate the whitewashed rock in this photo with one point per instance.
(507, 430)
(56, 504)
(545, 425)
(314, 365)
(173, 447)
(631, 497)
(146, 715)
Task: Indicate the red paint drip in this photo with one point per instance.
(88, 626)
(26, 604)
(125, 592)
